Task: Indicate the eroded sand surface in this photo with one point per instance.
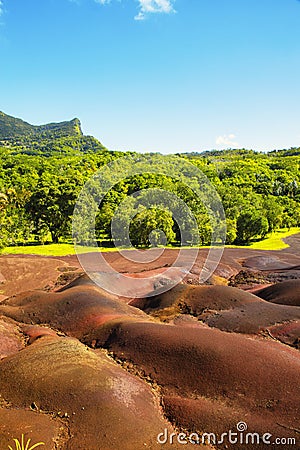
(84, 369)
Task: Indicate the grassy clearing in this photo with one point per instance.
(272, 242)
(52, 250)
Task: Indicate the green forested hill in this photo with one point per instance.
(41, 175)
(11, 127)
(50, 139)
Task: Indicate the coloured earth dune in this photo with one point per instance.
(82, 368)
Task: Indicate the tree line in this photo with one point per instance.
(40, 182)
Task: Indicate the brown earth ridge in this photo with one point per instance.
(81, 368)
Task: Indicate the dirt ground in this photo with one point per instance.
(19, 273)
(83, 368)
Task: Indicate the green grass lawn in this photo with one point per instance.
(52, 250)
(272, 242)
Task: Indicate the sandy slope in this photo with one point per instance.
(84, 369)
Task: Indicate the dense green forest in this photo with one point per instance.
(11, 127)
(43, 170)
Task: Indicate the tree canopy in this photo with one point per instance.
(42, 175)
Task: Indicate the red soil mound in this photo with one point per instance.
(252, 318)
(152, 280)
(105, 407)
(223, 307)
(285, 293)
(144, 372)
(288, 333)
(196, 299)
(218, 417)
(34, 332)
(223, 369)
(74, 311)
(12, 339)
(82, 280)
(270, 262)
(22, 273)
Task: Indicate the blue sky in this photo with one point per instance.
(156, 75)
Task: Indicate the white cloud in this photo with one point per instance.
(154, 6)
(227, 140)
(146, 7)
(1, 7)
